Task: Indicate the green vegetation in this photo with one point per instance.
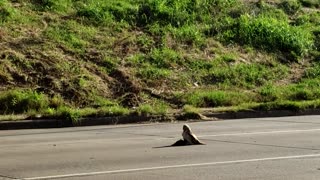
(72, 59)
(273, 35)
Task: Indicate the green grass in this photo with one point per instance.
(216, 98)
(73, 59)
(17, 101)
(245, 75)
(310, 3)
(272, 34)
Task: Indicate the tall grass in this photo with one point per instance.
(272, 34)
(105, 12)
(18, 101)
(245, 75)
(7, 12)
(180, 12)
(215, 98)
(291, 7)
(53, 5)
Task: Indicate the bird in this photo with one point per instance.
(189, 137)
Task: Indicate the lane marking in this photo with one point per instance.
(172, 166)
(261, 132)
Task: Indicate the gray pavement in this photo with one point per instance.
(261, 148)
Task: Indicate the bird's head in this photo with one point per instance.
(186, 128)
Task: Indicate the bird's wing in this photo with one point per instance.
(195, 140)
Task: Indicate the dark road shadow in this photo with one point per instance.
(176, 144)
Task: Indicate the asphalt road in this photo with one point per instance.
(266, 148)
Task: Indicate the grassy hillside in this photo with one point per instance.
(74, 58)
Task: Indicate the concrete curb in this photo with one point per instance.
(261, 114)
(59, 123)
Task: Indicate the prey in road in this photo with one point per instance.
(259, 148)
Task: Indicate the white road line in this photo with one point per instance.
(172, 166)
(261, 132)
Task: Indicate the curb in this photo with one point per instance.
(261, 114)
(60, 123)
